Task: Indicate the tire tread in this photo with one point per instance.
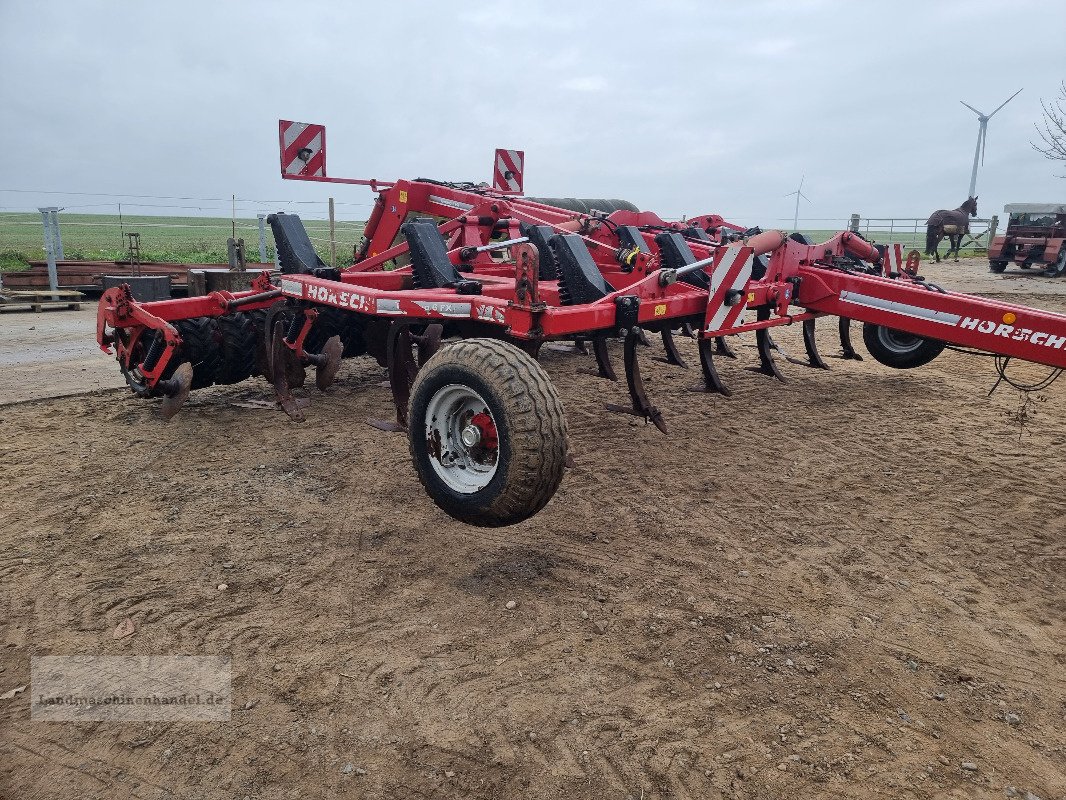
(536, 425)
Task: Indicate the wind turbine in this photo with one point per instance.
(982, 133)
(799, 193)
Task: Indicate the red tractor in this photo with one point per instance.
(1035, 235)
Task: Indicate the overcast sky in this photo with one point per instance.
(682, 107)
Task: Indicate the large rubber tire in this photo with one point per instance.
(997, 266)
(237, 342)
(897, 349)
(530, 428)
(200, 339)
(1058, 269)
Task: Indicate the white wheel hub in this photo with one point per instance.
(897, 341)
(461, 438)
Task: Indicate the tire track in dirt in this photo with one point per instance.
(845, 496)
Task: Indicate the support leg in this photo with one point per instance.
(284, 366)
(672, 355)
(402, 369)
(603, 358)
(847, 351)
(722, 348)
(712, 382)
(814, 358)
(641, 406)
(767, 364)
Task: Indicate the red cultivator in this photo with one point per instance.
(455, 287)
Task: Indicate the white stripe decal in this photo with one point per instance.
(445, 309)
(723, 268)
(903, 309)
(315, 145)
(384, 306)
(293, 131)
(292, 287)
(444, 201)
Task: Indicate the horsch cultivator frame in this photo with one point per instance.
(455, 288)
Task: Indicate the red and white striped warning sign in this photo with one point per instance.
(730, 274)
(893, 259)
(303, 148)
(507, 171)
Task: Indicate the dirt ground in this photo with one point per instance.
(850, 585)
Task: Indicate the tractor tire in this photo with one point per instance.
(897, 349)
(487, 433)
(200, 347)
(997, 266)
(238, 341)
(1058, 269)
(258, 321)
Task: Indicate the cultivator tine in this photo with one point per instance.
(847, 351)
(603, 358)
(283, 366)
(672, 355)
(814, 358)
(686, 328)
(641, 406)
(643, 338)
(765, 345)
(722, 348)
(712, 382)
(402, 370)
(582, 346)
(176, 390)
(790, 359)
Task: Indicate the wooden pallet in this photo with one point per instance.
(38, 301)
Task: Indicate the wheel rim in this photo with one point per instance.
(899, 342)
(461, 438)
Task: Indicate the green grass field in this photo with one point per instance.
(200, 240)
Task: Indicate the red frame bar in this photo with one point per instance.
(820, 279)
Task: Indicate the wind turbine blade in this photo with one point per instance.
(974, 110)
(1005, 102)
(984, 141)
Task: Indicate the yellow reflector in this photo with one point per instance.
(1010, 317)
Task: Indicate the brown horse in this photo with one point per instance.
(952, 224)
